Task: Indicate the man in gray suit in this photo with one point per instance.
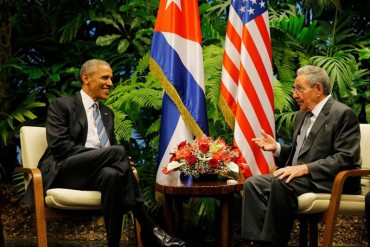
(328, 133)
(82, 154)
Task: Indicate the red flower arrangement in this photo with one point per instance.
(206, 156)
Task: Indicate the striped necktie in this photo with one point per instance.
(103, 137)
(302, 136)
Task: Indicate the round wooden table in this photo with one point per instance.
(176, 192)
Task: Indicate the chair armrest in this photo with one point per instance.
(38, 189)
(342, 176)
(135, 172)
(337, 190)
(35, 175)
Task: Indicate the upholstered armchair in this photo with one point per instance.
(321, 207)
(58, 202)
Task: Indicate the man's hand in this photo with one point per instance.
(291, 172)
(266, 142)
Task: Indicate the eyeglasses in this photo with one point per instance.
(298, 89)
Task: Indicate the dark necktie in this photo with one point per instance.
(302, 136)
(103, 137)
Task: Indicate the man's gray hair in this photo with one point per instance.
(90, 66)
(315, 75)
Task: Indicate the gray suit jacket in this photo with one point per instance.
(66, 132)
(332, 145)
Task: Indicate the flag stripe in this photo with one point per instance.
(247, 132)
(228, 97)
(253, 98)
(258, 64)
(264, 32)
(246, 81)
(231, 67)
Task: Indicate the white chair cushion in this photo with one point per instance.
(311, 203)
(73, 199)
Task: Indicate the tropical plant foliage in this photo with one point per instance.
(52, 38)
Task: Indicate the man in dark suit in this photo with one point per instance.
(82, 154)
(330, 142)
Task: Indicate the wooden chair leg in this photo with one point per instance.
(328, 236)
(138, 235)
(303, 232)
(38, 194)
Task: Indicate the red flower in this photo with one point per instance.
(204, 147)
(191, 160)
(183, 143)
(222, 155)
(205, 156)
(182, 153)
(173, 157)
(213, 163)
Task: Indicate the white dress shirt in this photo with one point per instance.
(92, 139)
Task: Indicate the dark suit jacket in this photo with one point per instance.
(66, 132)
(332, 145)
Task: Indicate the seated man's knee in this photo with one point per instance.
(117, 151)
(250, 182)
(109, 174)
(279, 183)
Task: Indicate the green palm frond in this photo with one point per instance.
(143, 63)
(148, 174)
(154, 127)
(282, 97)
(219, 8)
(123, 126)
(73, 24)
(284, 124)
(276, 15)
(22, 113)
(318, 6)
(204, 211)
(212, 56)
(335, 38)
(340, 71)
(148, 98)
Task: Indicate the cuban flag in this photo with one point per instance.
(177, 60)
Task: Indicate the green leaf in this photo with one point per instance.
(36, 74)
(29, 114)
(136, 22)
(18, 116)
(122, 46)
(106, 21)
(56, 67)
(364, 53)
(55, 77)
(107, 39)
(119, 19)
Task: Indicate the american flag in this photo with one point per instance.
(247, 100)
(177, 60)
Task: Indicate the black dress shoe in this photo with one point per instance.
(166, 240)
